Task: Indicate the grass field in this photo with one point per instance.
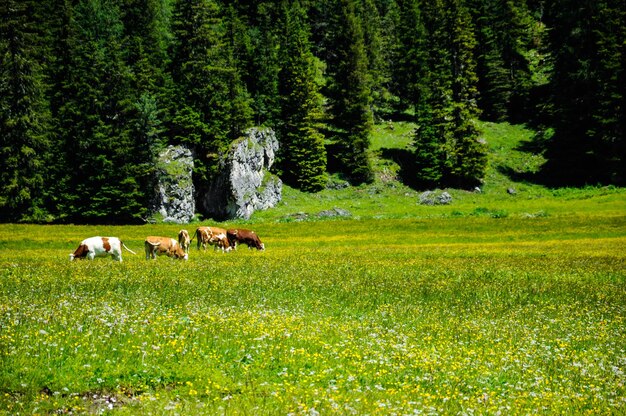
(439, 316)
(495, 304)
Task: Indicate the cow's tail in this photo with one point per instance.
(124, 245)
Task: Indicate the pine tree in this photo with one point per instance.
(146, 38)
(494, 79)
(237, 51)
(24, 115)
(214, 105)
(104, 184)
(433, 101)
(504, 31)
(588, 39)
(265, 64)
(302, 152)
(350, 93)
(447, 106)
(378, 66)
(412, 54)
(468, 156)
(392, 53)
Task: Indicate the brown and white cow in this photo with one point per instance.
(243, 236)
(93, 247)
(184, 240)
(214, 236)
(164, 245)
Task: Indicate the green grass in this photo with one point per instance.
(368, 316)
(388, 197)
(495, 304)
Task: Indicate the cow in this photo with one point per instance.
(164, 245)
(243, 236)
(212, 236)
(93, 247)
(183, 240)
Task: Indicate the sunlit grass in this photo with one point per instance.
(428, 316)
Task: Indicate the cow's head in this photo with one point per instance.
(80, 252)
(179, 253)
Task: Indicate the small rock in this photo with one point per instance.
(335, 212)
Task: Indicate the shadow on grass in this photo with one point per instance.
(406, 160)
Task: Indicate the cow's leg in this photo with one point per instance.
(91, 255)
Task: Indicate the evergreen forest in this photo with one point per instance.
(92, 90)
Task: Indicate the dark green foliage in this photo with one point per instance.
(411, 55)
(446, 108)
(91, 90)
(507, 41)
(302, 152)
(588, 90)
(214, 102)
(263, 80)
(350, 93)
(24, 115)
(107, 165)
(378, 58)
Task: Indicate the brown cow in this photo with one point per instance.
(164, 245)
(183, 240)
(212, 236)
(243, 236)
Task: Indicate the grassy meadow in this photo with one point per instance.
(495, 304)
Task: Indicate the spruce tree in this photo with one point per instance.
(146, 38)
(468, 156)
(588, 39)
(433, 101)
(24, 115)
(104, 184)
(494, 79)
(302, 151)
(213, 104)
(350, 93)
(265, 64)
(392, 53)
(378, 65)
(505, 34)
(411, 57)
(447, 106)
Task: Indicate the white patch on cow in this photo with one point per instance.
(95, 248)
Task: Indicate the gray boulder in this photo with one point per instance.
(244, 183)
(175, 190)
(335, 212)
(435, 198)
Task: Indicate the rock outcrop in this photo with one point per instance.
(244, 183)
(175, 191)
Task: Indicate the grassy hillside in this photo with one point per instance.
(389, 197)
